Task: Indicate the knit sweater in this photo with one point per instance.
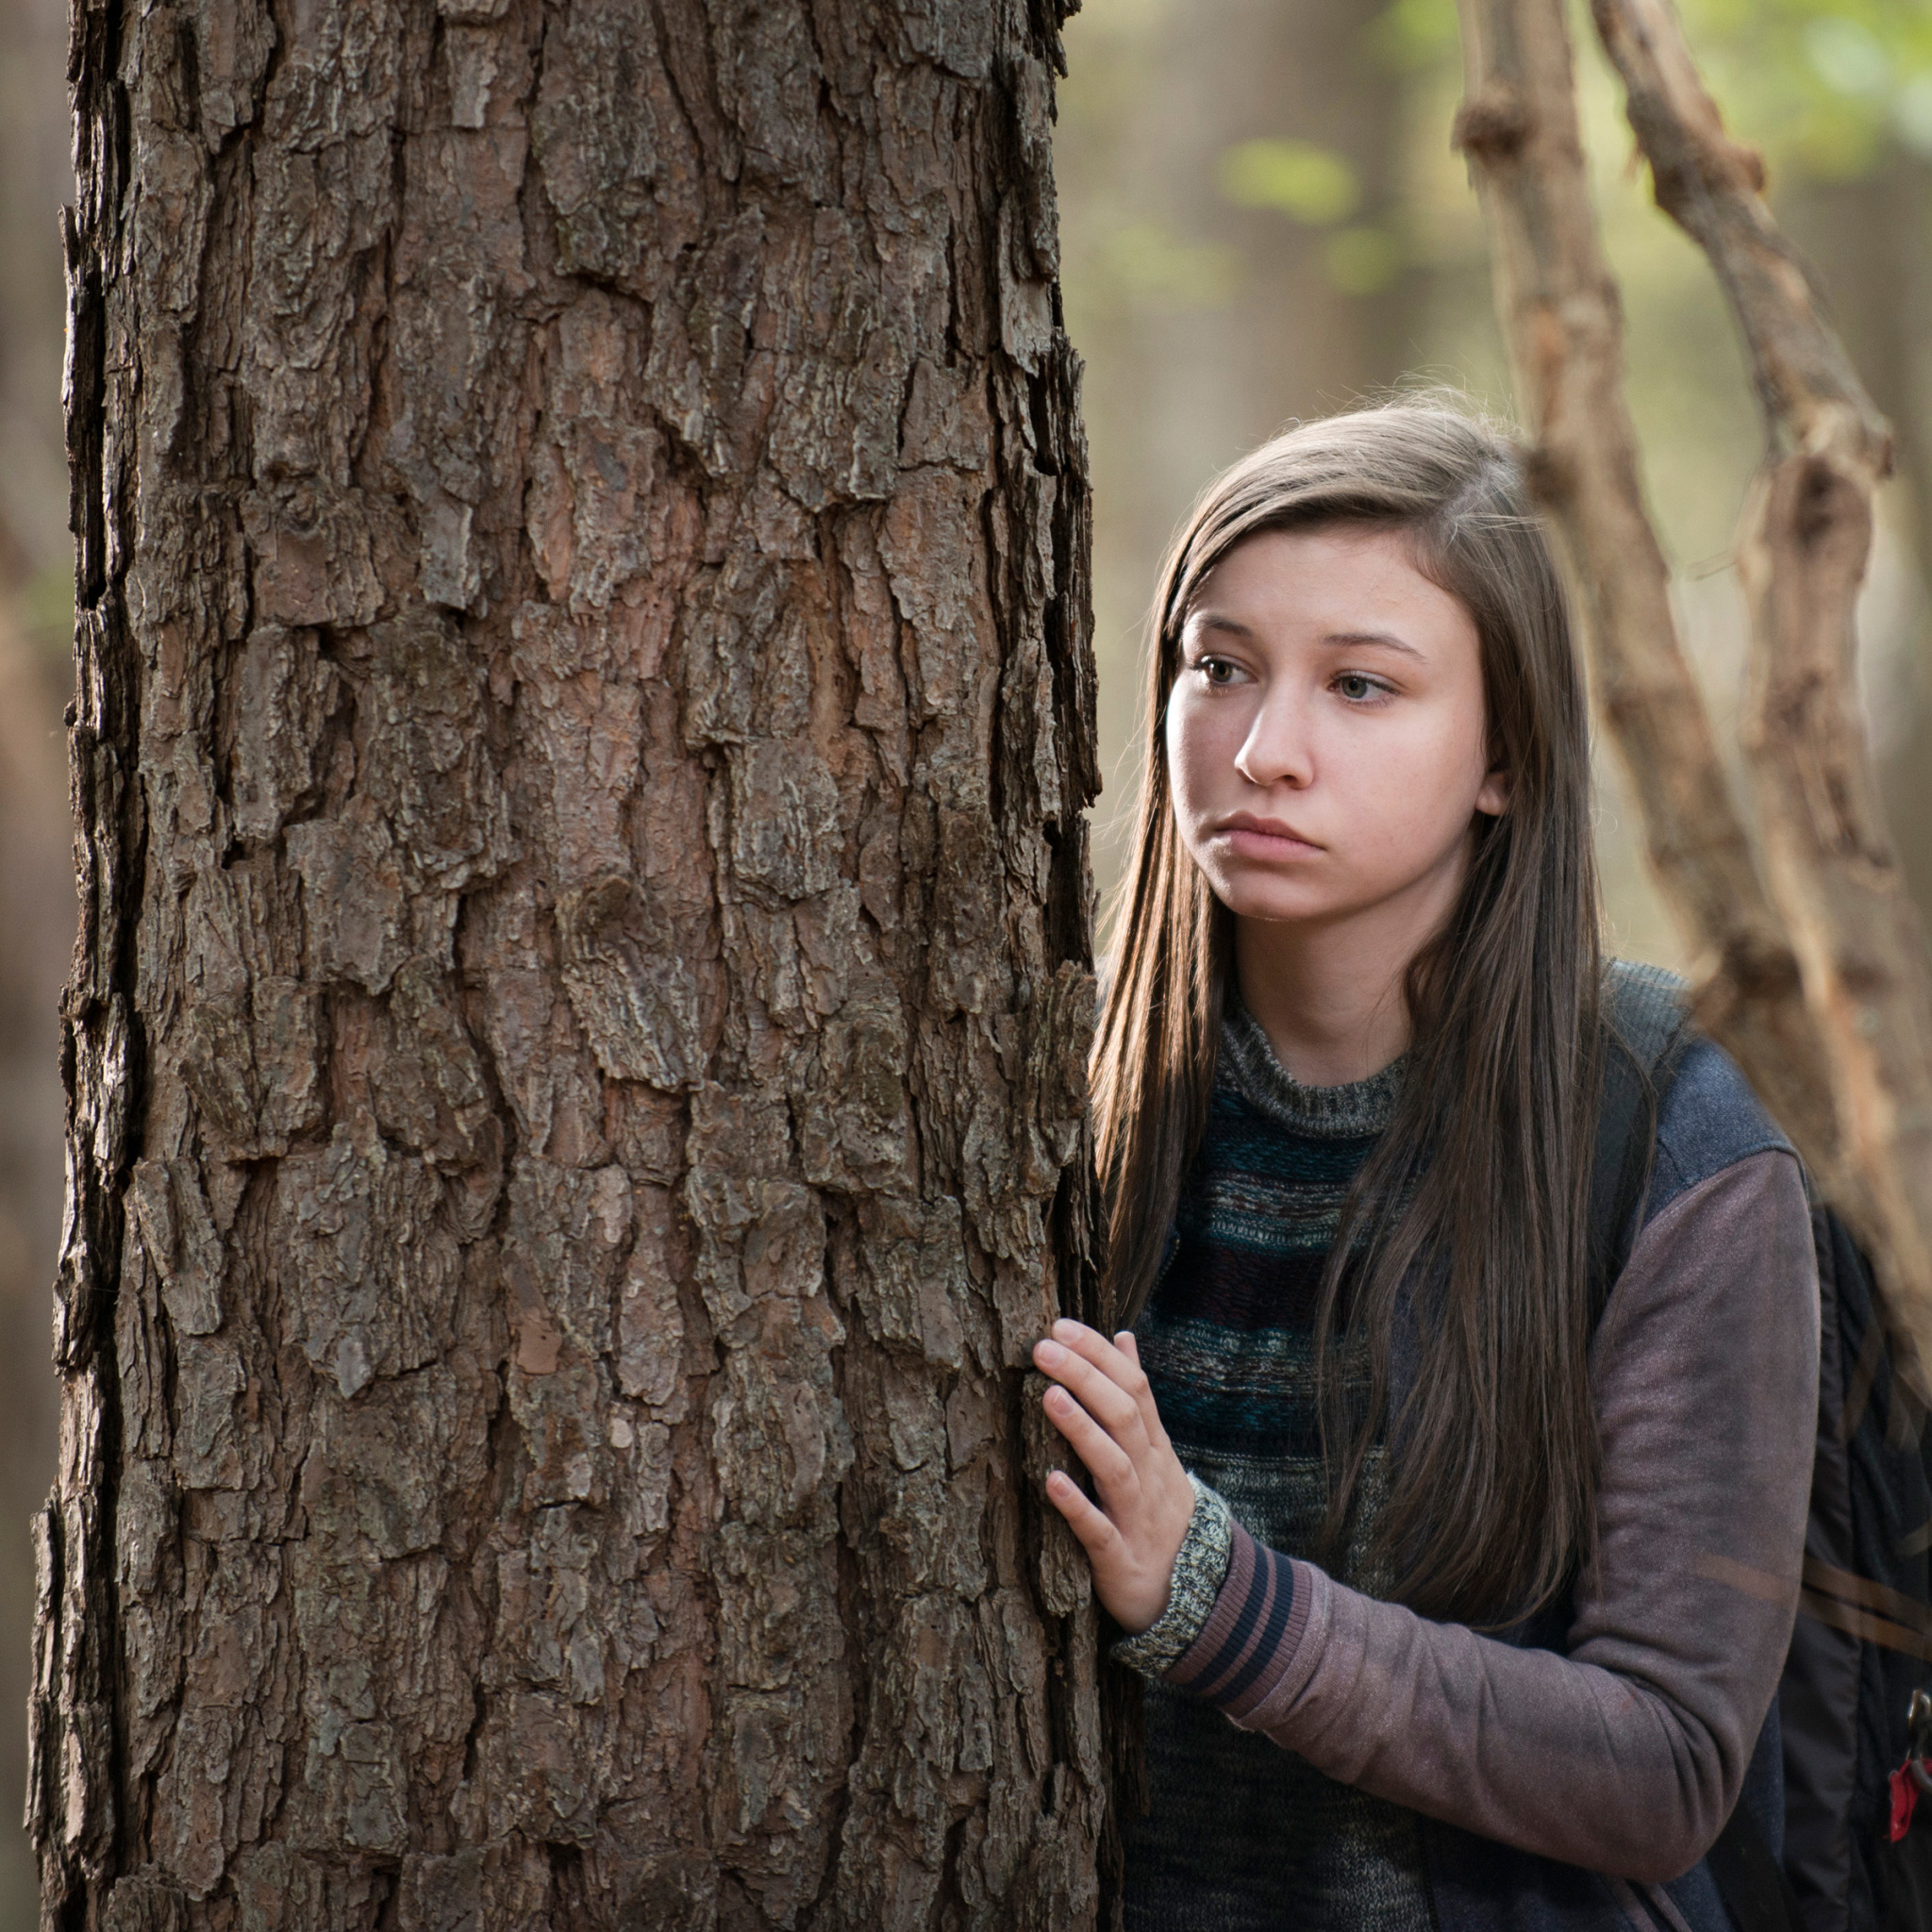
(1380, 1770)
(1228, 1342)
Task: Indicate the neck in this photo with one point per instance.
(1329, 995)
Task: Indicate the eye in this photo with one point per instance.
(1359, 688)
(1217, 670)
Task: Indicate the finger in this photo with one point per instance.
(1150, 1412)
(1119, 1368)
(1096, 1533)
(1111, 1465)
(1098, 1392)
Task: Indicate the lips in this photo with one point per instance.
(1247, 831)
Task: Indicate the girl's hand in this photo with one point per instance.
(1104, 1409)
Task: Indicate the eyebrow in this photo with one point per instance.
(1386, 638)
(1229, 626)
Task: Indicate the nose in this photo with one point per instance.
(1276, 749)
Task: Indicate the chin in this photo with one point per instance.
(1274, 901)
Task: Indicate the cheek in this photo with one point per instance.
(1202, 743)
(1420, 796)
(1181, 756)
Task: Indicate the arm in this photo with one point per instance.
(1627, 1755)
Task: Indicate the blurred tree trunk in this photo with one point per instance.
(1871, 241)
(576, 1044)
(1293, 338)
(38, 177)
(37, 891)
(35, 845)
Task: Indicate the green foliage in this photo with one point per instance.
(1295, 177)
(46, 610)
(1415, 33)
(1825, 87)
(1362, 260)
(1317, 186)
(1146, 263)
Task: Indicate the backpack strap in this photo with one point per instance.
(1749, 1879)
(1647, 1028)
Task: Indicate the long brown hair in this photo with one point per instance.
(1477, 1194)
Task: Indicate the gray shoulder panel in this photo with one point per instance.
(1711, 1120)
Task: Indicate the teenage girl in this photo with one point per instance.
(1461, 1603)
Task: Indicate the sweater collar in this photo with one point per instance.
(1248, 1065)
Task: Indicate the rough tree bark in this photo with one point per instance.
(576, 1045)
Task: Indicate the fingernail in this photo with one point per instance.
(1066, 1329)
(1047, 1353)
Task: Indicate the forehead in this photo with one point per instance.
(1345, 577)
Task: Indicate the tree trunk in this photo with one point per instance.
(575, 1047)
(1283, 340)
(1871, 243)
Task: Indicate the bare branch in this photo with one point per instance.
(1802, 554)
(1563, 325)
(1713, 188)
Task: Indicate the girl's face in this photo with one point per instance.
(1327, 737)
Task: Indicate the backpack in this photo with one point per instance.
(1852, 1850)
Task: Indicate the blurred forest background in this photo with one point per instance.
(1261, 218)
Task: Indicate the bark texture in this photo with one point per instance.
(575, 1047)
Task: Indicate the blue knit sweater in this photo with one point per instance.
(1242, 1836)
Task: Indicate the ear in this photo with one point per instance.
(1493, 801)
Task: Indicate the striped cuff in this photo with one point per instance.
(1252, 1635)
(1198, 1571)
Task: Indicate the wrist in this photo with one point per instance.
(1194, 1580)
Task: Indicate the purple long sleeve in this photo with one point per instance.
(1627, 1755)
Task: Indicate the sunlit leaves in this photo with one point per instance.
(1295, 177)
(1361, 261)
(1317, 186)
(1415, 33)
(1824, 87)
(1848, 56)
